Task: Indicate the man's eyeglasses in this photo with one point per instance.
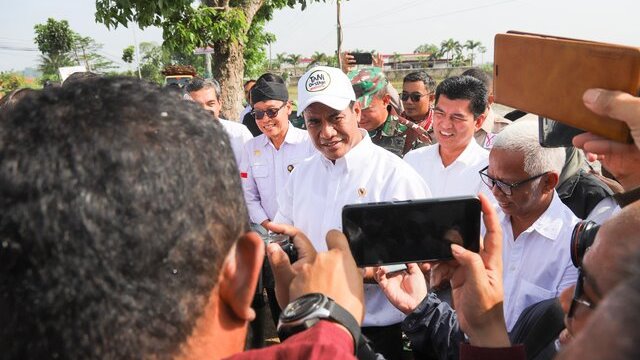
(579, 295)
(415, 96)
(271, 113)
(506, 188)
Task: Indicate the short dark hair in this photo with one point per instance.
(465, 88)
(116, 216)
(197, 84)
(79, 76)
(269, 77)
(428, 81)
(480, 75)
(10, 100)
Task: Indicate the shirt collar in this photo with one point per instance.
(469, 154)
(487, 125)
(549, 224)
(289, 138)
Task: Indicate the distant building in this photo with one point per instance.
(412, 61)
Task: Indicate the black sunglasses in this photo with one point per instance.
(271, 113)
(506, 188)
(415, 96)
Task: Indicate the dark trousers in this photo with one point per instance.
(386, 340)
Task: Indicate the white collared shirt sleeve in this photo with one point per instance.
(250, 188)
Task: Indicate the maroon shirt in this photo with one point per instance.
(325, 340)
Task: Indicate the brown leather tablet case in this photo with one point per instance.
(547, 76)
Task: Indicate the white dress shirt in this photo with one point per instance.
(537, 265)
(238, 136)
(265, 170)
(318, 189)
(461, 177)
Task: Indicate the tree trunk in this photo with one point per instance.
(229, 70)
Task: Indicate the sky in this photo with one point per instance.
(387, 26)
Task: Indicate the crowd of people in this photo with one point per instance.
(136, 223)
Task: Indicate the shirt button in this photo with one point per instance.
(513, 268)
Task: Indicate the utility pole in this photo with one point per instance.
(339, 35)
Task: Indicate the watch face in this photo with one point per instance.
(302, 307)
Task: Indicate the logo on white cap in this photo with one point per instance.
(318, 81)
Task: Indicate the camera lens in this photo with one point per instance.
(584, 233)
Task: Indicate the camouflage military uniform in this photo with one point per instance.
(390, 135)
(368, 82)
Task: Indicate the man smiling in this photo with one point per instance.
(349, 169)
(450, 168)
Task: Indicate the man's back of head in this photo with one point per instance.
(116, 215)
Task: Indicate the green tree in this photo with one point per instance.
(294, 59)
(10, 81)
(281, 58)
(319, 58)
(86, 51)
(427, 48)
(471, 46)
(55, 41)
(127, 54)
(224, 25)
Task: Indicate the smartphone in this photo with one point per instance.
(401, 232)
(362, 58)
(547, 76)
(553, 134)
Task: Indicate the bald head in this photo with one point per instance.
(616, 244)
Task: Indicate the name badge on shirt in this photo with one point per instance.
(488, 140)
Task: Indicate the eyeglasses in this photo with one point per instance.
(506, 188)
(579, 295)
(271, 113)
(415, 96)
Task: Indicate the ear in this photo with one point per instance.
(432, 98)
(289, 107)
(551, 181)
(239, 275)
(386, 99)
(357, 111)
(479, 121)
(490, 99)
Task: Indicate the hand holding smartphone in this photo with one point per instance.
(411, 231)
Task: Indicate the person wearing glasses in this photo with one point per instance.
(493, 123)
(450, 167)
(269, 159)
(536, 225)
(418, 96)
(207, 93)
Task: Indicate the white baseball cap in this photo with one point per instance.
(327, 85)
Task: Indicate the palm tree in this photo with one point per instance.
(281, 59)
(319, 58)
(482, 50)
(471, 46)
(446, 46)
(294, 59)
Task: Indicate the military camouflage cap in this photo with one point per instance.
(367, 82)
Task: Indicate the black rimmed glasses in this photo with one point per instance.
(579, 296)
(271, 113)
(414, 96)
(506, 188)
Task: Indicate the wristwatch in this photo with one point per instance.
(307, 310)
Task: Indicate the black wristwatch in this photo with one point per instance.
(307, 310)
